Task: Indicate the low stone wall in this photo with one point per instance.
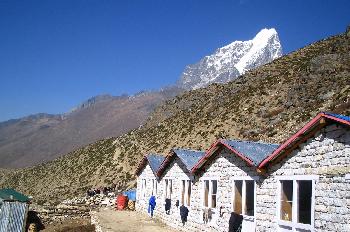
(75, 208)
(50, 214)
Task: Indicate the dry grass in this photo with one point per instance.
(268, 104)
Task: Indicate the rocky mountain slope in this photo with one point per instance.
(40, 138)
(43, 137)
(233, 60)
(269, 104)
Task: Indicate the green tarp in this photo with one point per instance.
(12, 195)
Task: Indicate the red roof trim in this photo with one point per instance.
(212, 150)
(205, 157)
(300, 133)
(141, 165)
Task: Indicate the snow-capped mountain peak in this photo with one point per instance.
(232, 60)
(266, 41)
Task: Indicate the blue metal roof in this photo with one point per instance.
(346, 118)
(189, 157)
(255, 151)
(155, 160)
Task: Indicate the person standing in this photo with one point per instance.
(151, 205)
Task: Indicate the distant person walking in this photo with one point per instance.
(151, 205)
(183, 214)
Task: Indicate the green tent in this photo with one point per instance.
(12, 195)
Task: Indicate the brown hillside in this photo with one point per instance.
(41, 138)
(268, 104)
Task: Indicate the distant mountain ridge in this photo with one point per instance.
(233, 60)
(93, 100)
(43, 137)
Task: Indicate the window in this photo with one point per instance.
(154, 187)
(296, 204)
(214, 191)
(183, 189)
(249, 198)
(286, 200)
(238, 196)
(304, 201)
(189, 190)
(206, 193)
(143, 187)
(244, 196)
(185, 198)
(168, 188)
(210, 189)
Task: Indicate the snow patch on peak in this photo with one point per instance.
(232, 60)
(265, 46)
(265, 33)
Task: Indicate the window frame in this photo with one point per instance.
(184, 190)
(294, 224)
(154, 190)
(243, 179)
(166, 184)
(210, 192)
(143, 187)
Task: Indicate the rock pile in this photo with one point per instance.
(49, 214)
(101, 200)
(78, 207)
(97, 200)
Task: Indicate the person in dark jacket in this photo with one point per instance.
(177, 203)
(183, 213)
(235, 222)
(151, 205)
(167, 206)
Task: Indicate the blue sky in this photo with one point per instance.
(55, 54)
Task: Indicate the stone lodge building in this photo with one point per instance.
(300, 185)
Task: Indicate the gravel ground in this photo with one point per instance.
(79, 225)
(131, 221)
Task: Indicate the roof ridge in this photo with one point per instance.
(249, 141)
(187, 149)
(154, 154)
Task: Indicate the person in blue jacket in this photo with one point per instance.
(151, 205)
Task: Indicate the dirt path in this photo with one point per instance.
(131, 221)
(76, 225)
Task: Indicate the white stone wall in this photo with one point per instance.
(222, 168)
(142, 201)
(326, 155)
(177, 172)
(225, 165)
